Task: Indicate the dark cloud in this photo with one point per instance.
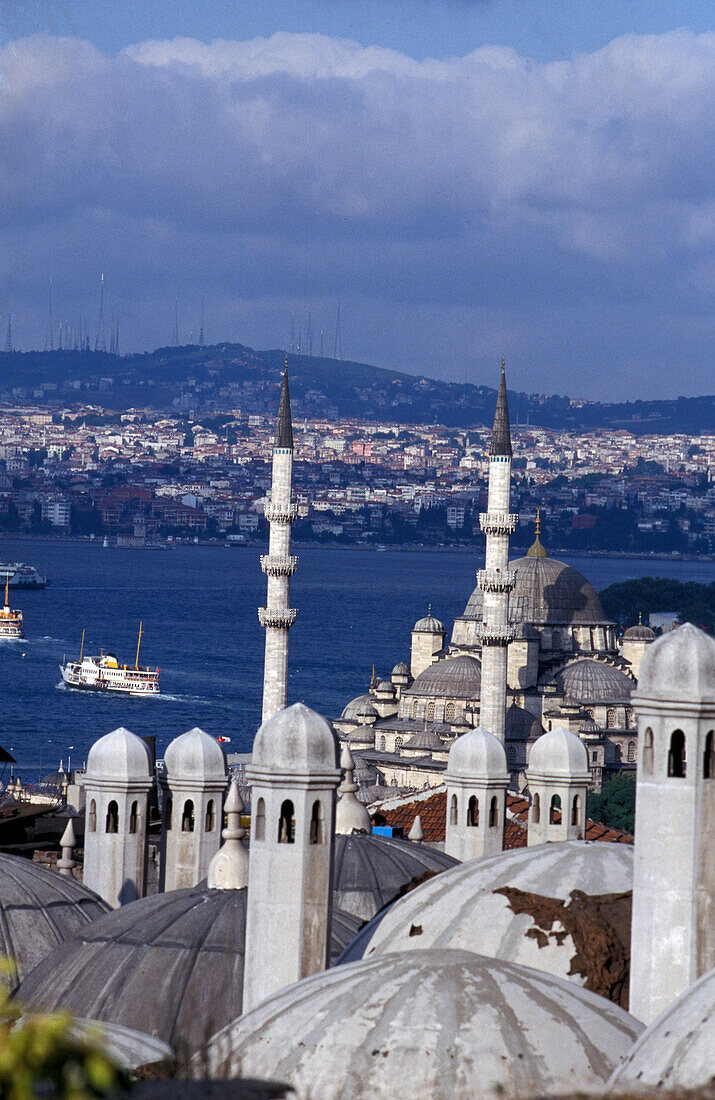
(560, 213)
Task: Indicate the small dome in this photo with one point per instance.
(401, 669)
(679, 664)
(522, 725)
(426, 740)
(362, 736)
(295, 740)
(195, 756)
(385, 685)
(119, 755)
(559, 753)
(39, 910)
(676, 1052)
(477, 755)
(371, 871)
(454, 677)
(639, 633)
(350, 711)
(427, 1024)
(429, 625)
(533, 906)
(589, 681)
(366, 710)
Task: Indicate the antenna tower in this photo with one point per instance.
(309, 333)
(175, 333)
(337, 349)
(322, 334)
(201, 330)
(8, 338)
(99, 344)
(50, 334)
(292, 333)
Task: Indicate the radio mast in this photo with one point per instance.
(99, 338)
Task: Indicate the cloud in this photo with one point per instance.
(451, 205)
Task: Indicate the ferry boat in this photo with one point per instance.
(10, 621)
(105, 673)
(19, 575)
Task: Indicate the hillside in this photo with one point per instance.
(228, 376)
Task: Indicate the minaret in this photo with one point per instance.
(279, 564)
(496, 580)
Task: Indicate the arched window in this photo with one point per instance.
(536, 809)
(473, 811)
(187, 817)
(574, 810)
(709, 757)
(494, 813)
(112, 824)
(453, 810)
(398, 744)
(450, 712)
(631, 752)
(430, 712)
(676, 755)
(556, 639)
(168, 808)
(134, 818)
(611, 718)
(317, 828)
(92, 821)
(383, 742)
(415, 709)
(648, 752)
(511, 755)
(259, 823)
(286, 824)
(210, 822)
(555, 810)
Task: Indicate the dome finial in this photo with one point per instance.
(228, 870)
(537, 550)
(350, 814)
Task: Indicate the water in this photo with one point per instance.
(198, 606)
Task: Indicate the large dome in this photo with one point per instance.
(546, 592)
(371, 871)
(518, 906)
(456, 677)
(589, 681)
(428, 1025)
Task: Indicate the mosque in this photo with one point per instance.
(345, 963)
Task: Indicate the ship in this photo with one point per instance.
(106, 673)
(10, 620)
(19, 575)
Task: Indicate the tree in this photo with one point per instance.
(616, 804)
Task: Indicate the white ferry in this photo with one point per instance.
(105, 673)
(19, 575)
(10, 620)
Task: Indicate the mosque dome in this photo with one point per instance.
(639, 633)
(522, 725)
(196, 756)
(477, 754)
(370, 871)
(427, 1024)
(559, 753)
(546, 592)
(119, 755)
(293, 738)
(563, 908)
(350, 711)
(366, 710)
(456, 677)
(401, 669)
(589, 681)
(169, 965)
(385, 686)
(676, 1051)
(39, 910)
(679, 665)
(425, 740)
(429, 625)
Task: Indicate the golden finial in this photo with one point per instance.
(537, 550)
(503, 363)
(429, 609)
(372, 679)
(538, 522)
(640, 618)
(286, 366)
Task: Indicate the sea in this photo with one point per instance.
(197, 606)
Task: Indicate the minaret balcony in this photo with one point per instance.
(498, 523)
(281, 617)
(496, 580)
(278, 513)
(279, 567)
(496, 634)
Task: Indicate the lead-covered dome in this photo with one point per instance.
(429, 625)
(119, 755)
(370, 871)
(639, 633)
(546, 592)
(522, 725)
(455, 677)
(195, 756)
(350, 711)
(589, 681)
(427, 1025)
(476, 755)
(296, 739)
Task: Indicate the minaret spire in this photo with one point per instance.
(279, 564)
(496, 580)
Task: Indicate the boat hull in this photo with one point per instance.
(104, 686)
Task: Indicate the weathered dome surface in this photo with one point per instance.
(119, 755)
(559, 753)
(401, 669)
(366, 710)
(546, 592)
(522, 725)
(456, 677)
(676, 1051)
(429, 625)
(517, 906)
(295, 739)
(371, 871)
(350, 711)
(385, 686)
(477, 754)
(589, 681)
(195, 755)
(170, 965)
(39, 909)
(639, 633)
(127, 1048)
(679, 664)
(436, 1025)
(426, 740)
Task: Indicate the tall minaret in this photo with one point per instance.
(279, 564)
(496, 580)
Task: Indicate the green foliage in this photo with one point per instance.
(694, 602)
(41, 1055)
(616, 804)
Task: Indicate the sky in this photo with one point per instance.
(461, 179)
